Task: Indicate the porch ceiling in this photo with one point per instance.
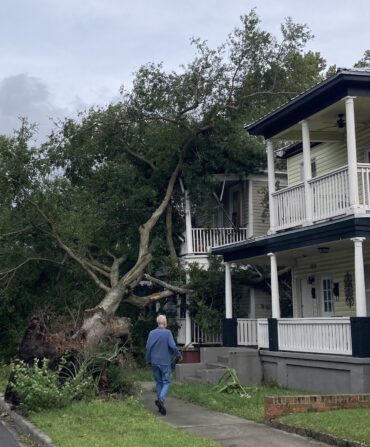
(323, 124)
(322, 102)
(298, 242)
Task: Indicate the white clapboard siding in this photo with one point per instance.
(247, 332)
(316, 335)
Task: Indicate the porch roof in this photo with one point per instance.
(347, 82)
(317, 234)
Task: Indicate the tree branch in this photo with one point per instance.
(5, 273)
(166, 285)
(143, 301)
(82, 262)
(140, 158)
(169, 238)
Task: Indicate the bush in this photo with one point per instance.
(119, 381)
(39, 387)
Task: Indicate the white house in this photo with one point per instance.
(320, 226)
(234, 213)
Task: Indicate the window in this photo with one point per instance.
(327, 294)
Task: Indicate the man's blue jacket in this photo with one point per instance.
(160, 347)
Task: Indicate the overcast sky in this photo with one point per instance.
(61, 56)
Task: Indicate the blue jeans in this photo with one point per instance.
(162, 377)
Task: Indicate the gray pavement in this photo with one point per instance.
(7, 437)
(229, 431)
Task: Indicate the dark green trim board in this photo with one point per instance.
(230, 332)
(273, 334)
(360, 333)
(312, 235)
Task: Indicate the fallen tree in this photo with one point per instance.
(103, 194)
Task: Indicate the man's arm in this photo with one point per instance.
(147, 352)
(172, 345)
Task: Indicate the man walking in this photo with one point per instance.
(160, 348)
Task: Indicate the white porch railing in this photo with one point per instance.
(199, 336)
(363, 170)
(262, 333)
(330, 194)
(289, 207)
(206, 238)
(316, 335)
(247, 332)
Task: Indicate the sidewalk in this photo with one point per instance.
(229, 431)
(6, 437)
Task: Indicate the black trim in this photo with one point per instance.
(273, 334)
(344, 83)
(360, 333)
(230, 332)
(303, 237)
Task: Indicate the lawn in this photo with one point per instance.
(111, 424)
(250, 407)
(350, 424)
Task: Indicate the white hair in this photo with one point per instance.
(161, 319)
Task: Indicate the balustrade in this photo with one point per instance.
(316, 335)
(247, 332)
(206, 238)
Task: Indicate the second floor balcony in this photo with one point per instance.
(327, 194)
(203, 239)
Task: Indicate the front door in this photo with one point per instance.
(327, 297)
(307, 290)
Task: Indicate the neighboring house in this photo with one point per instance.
(320, 227)
(235, 213)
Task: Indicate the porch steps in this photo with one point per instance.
(245, 361)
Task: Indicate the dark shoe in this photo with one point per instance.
(161, 407)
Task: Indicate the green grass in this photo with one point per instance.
(140, 374)
(346, 424)
(4, 375)
(251, 408)
(112, 424)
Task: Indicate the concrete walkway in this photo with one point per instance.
(7, 439)
(229, 431)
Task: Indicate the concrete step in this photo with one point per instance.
(212, 375)
(215, 366)
(223, 360)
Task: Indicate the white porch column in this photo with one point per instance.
(188, 226)
(252, 303)
(307, 172)
(188, 340)
(275, 302)
(352, 154)
(228, 292)
(271, 183)
(359, 278)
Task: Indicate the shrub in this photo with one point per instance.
(38, 387)
(119, 381)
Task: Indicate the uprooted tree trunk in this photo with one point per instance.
(100, 320)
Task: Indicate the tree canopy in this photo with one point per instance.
(83, 215)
